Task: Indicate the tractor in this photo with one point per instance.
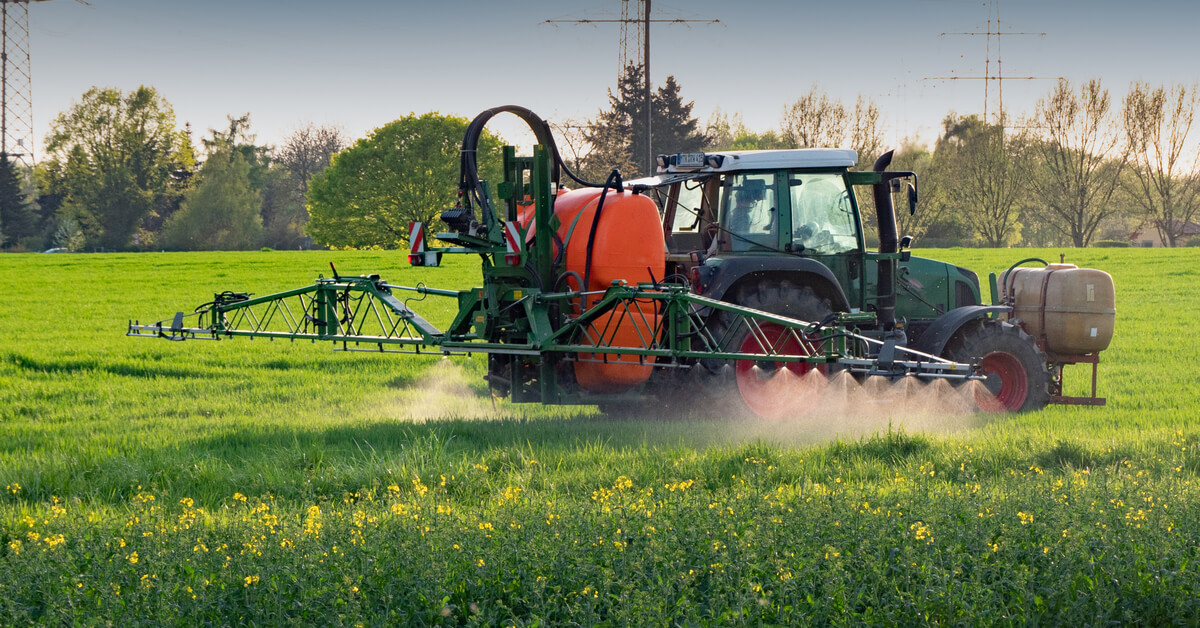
(742, 274)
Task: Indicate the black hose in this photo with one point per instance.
(469, 184)
(587, 264)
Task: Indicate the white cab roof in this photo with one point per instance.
(767, 159)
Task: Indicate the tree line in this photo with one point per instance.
(1080, 169)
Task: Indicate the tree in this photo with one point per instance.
(673, 128)
(931, 208)
(618, 135)
(866, 135)
(728, 132)
(814, 120)
(118, 153)
(1165, 181)
(984, 174)
(1078, 168)
(308, 151)
(303, 154)
(18, 220)
(404, 171)
(221, 211)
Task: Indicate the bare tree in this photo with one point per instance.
(916, 158)
(1080, 169)
(814, 120)
(573, 146)
(984, 174)
(866, 134)
(1157, 122)
(308, 151)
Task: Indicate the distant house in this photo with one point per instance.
(1147, 236)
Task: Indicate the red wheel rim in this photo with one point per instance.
(762, 387)
(1013, 382)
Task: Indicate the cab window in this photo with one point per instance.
(822, 214)
(687, 208)
(749, 211)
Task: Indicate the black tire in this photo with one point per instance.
(1017, 373)
(777, 296)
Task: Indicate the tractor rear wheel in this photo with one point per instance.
(757, 385)
(1017, 376)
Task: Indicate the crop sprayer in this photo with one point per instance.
(720, 274)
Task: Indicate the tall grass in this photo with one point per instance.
(258, 482)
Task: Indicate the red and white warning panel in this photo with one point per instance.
(417, 255)
(515, 245)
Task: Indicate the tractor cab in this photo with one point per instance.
(733, 219)
(763, 211)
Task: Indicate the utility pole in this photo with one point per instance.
(643, 23)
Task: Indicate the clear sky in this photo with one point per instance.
(359, 64)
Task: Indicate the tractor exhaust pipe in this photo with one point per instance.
(889, 242)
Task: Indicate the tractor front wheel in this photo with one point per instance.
(1017, 376)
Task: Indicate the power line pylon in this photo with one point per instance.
(993, 33)
(16, 97)
(16, 81)
(641, 36)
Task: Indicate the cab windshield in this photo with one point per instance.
(822, 214)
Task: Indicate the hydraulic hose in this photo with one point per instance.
(587, 265)
(469, 184)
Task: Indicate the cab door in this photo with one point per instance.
(822, 221)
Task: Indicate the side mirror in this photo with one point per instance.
(912, 199)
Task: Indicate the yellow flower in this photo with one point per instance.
(133, 557)
(1025, 518)
(249, 580)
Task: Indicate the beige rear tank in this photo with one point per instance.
(1073, 309)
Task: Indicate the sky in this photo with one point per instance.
(359, 64)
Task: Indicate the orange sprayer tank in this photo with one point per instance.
(630, 246)
(1073, 309)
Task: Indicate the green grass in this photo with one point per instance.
(267, 483)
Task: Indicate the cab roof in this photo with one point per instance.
(734, 160)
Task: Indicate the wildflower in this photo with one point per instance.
(1025, 518)
(133, 558)
(480, 563)
(13, 488)
(419, 487)
(249, 580)
(312, 520)
(54, 540)
(15, 546)
(921, 532)
(239, 497)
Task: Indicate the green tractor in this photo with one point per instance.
(781, 231)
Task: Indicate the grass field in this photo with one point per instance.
(150, 482)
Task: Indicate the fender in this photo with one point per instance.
(933, 340)
(721, 277)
